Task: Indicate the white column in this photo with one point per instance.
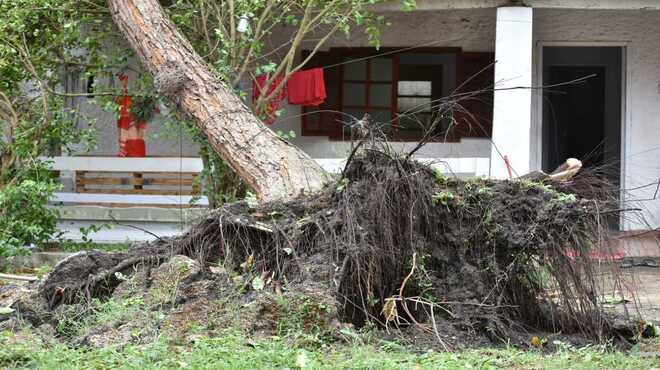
(512, 113)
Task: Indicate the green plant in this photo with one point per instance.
(443, 197)
(24, 217)
(41, 271)
(37, 38)
(87, 232)
(286, 135)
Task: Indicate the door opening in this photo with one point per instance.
(583, 120)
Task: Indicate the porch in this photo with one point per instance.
(144, 198)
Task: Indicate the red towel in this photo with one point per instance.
(307, 87)
(274, 103)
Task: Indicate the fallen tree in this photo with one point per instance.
(392, 243)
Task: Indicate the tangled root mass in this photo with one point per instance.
(398, 244)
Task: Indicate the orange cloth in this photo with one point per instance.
(307, 87)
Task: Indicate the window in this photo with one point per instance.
(399, 90)
(367, 88)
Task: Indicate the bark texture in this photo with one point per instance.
(274, 168)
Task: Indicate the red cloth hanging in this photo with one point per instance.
(307, 87)
(135, 148)
(274, 103)
(125, 120)
(131, 133)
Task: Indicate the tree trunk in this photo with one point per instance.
(274, 168)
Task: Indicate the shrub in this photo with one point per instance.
(24, 217)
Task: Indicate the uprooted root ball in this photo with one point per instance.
(397, 244)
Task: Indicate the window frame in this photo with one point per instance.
(393, 53)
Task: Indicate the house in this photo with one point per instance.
(572, 78)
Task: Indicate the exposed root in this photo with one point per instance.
(398, 244)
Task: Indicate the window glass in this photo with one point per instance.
(380, 95)
(415, 88)
(404, 96)
(381, 69)
(414, 105)
(355, 94)
(355, 70)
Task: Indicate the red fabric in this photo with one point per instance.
(131, 133)
(274, 103)
(307, 87)
(125, 120)
(135, 148)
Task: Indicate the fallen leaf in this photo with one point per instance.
(389, 309)
(6, 310)
(258, 283)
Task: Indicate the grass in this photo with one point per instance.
(218, 343)
(232, 350)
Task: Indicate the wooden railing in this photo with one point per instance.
(174, 181)
(114, 181)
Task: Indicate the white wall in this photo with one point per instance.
(639, 31)
(472, 30)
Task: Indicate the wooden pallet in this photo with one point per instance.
(149, 183)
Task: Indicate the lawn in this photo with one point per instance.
(232, 350)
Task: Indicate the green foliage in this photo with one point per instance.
(443, 197)
(87, 232)
(24, 217)
(39, 39)
(143, 107)
(547, 188)
(408, 5)
(286, 135)
(303, 314)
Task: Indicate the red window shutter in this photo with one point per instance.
(324, 119)
(475, 72)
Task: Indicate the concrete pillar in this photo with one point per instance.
(512, 108)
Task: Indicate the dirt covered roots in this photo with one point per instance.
(394, 243)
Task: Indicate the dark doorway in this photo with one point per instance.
(583, 120)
